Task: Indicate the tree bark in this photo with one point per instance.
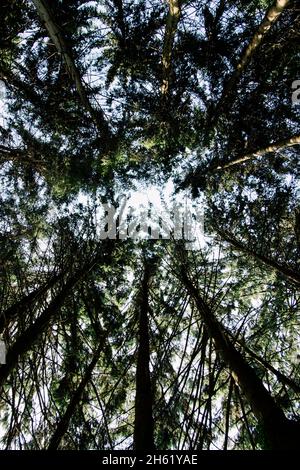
(199, 175)
(74, 402)
(143, 425)
(170, 32)
(269, 20)
(55, 33)
(290, 274)
(120, 21)
(280, 433)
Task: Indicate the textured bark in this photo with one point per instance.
(170, 32)
(143, 425)
(288, 273)
(56, 34)
(64, 422)
(269, 20)
(280, 433)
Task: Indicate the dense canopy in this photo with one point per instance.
(144, 342)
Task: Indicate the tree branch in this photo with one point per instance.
(279, 145)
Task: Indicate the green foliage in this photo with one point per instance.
(57, 163)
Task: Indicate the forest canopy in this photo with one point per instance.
(149, 342)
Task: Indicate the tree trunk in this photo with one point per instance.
(280, 433)
(269, 20)
(27, 301)
(74, 402)
(281, 377)
(120, 21)
(143, 425)
(55, 33)
(170, 32)
(27, 339)
(288, 273)
(198, 176)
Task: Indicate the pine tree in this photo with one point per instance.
(143, 344)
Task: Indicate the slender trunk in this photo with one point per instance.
(269, 20)
(55, 33)
(143, 425)
(288, 273)
(27, 339)
(227, 417)
(279, 145)
(279, 431)
(27, 301)
(74, 402)
(197, 177)
(297, 229)
(120, 21)
(170, 32)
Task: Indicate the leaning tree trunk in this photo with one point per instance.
(56, 34)
(279, 145)
(198, 176)
(28, 338)
(269, 20)
(288, 273)
(74, 402)
(280, 376)
(280, 433)
(143, 424)
(12, 312)
(170, 32)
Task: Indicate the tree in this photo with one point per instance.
(143, 425)
(149, 344)
(280, 433)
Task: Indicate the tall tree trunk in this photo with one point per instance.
(55, 33)
(143, 425)
(280, 432)
(74, 402)
(269, 20)
(288, 273)
(170, 32)
(297, 230)
(27, 339)
(120, 21)
(28, 300)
